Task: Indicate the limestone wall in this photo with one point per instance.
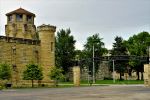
(18, 53)
(103, 72)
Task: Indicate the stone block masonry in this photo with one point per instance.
(23, 44)
(147, 75)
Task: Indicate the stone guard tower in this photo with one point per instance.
(20, 24)
(47, 37)
(21, 45)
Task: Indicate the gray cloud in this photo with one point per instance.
(86, 17)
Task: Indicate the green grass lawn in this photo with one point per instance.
(98, 82)
(117, 82)
(86, 83)
(110, 82)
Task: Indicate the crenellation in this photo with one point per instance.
(19, 40)
(46, 28)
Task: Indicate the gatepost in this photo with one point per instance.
(147, 72)
(147, 75)
(76, 75)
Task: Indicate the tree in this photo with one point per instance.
(65, 50)
(99, 49)
(33, 72)
(137, 45)
(5, 71)
(56, 74)
(120, 49)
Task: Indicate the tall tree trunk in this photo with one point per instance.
(142, 78)
(120, 76)
(32, 84)
(138, 76)
(39, 83)
(56, 83)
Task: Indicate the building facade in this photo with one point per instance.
(24, 44)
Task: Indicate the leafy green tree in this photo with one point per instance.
(95, 42)
(33, 72)
(137, 45)
(56, 74)
(5, 71)
(65, 50)
(80, 55)
(119, 49)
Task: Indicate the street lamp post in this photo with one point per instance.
(149, 53)
(93, 66)
(113, 71)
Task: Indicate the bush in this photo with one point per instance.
(56, 74)
(33, 72)
(5, 71)
(1, 87)
(8, 85)
(108, 78)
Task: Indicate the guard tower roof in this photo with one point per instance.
(20, 11)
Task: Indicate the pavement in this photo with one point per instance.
(111, 92)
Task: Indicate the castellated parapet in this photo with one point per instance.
(22, 46)
(46, 28)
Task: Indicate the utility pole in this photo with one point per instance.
(113, 71)
(93, 66)
(149, 53)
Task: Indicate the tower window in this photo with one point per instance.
(14, 67)
(19, 17)
(25, 27)
(29, 18)
(10, 18)
(37, 56)
(14, 49)
(52, 47)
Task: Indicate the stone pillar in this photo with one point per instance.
(24, 18)
(76, 75)
(147, 75)
(126, 76)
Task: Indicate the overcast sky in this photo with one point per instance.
(109, 18)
